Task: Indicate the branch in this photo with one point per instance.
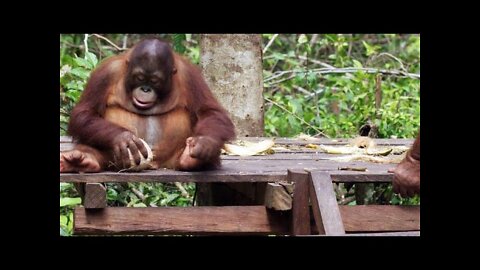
(315, 61)
(270, 43)
(182, 190)
(139, 194)
(111, 43)
(85, 41)
(313, 40)
(294, 115)
(347, 200)
(303, 90)
(391, 56)
(282, 80)
(345, 70)
(124, 46)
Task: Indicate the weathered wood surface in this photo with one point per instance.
(377, 218)
(411, 233)
(358, 220)
(181, 220)
(95, 196)
(266, 168)
(381, 234)
(242, 171)
(293, 141)
(300, 205)
(324, 204)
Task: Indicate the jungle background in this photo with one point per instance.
(300, 97)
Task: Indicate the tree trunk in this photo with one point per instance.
(232, 67)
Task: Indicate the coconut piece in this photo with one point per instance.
(144, 162)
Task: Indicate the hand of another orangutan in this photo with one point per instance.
(124, 141)
(406, 180)
(204, 147)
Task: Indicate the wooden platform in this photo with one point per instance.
(256, 219)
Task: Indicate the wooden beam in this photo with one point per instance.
(412, 233)
(294, 141)
(377, 218)
(324, 204)
(95, 196)
(181, 220)
(301, 204)
(241, 171)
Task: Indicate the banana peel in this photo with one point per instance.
(248, 148)
(368, 158)
(305, 137)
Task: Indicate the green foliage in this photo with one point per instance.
(340, 103)
(74, 74)
(158, 194)
(68, 200)
(178, 40)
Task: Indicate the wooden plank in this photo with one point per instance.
(293, 141)
(173, 176)
(300, 205)
(385, 234)
(377, 218)
(279, 154)
(411, 233)
(324, 204)
(95, 196)
(243, 171)
(181, 220)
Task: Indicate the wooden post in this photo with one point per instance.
(300, 205)
(324, 204)
(95, 196)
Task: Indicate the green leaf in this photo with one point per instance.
(357, 64)
(370, 49)
(291, 120)
(112, 194)
(63, 220)
(171, 197)
(70, 223)
(73, 95)
(296, 106)
(92, 59)
(395, 200)
(178, 42)
(69, 201)
(312, 79)
(74, 85)
(81, 62)
(63, 232)
(302, 39)
(80, 72)
(278, 56)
